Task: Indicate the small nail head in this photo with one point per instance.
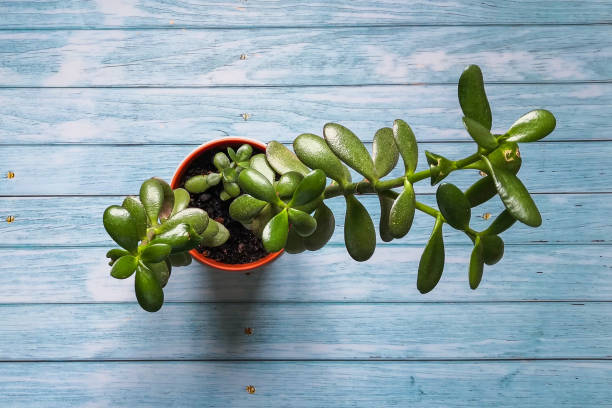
(10, 175)
(486, 216)
(250, 389)
(10, 219)
(246, 116)
(248, 331)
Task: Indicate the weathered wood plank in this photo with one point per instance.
(88, 170)
(190, 116)
(339, 56)
(306, 331)
(527, 272)
(270, 13)
(76, 221)
(308, 384)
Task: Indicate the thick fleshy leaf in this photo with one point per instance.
(195, 217)
(221, 161)
(115, 254)
(244, 152)
(197, 184)
(476, 264)
(439, 166)
(124, 267)
(295, 243)
(347, 146)
(229, 174)
(386, 203)
(407, 145)
(211, 230)
(152, 198)
(481, 191)
(515, 196)
(310, 188)
(257, 185)
(259, 163)
(507, 156)
(233, 189)
(326, 223)
(181, 200)
(288, 182)
(402, 212)
(303, 223)
(137, 211)
(180, 259)
(308, 208)
(454, 206)
(316, 154)
(274, 235)
(472, 96)
(260, 221)
(161, 271)
(431, 264)
(481, 135)
(384, 152)
(245, 208)
(168, 203)
(532, 126)
(154, 253)
(492, 248)
(232, 154)
(503, 221)
(284, 160)
(359, 233)
(180, 238)
(148, 290)
(220, 238)
(212, 179)
(120, 226)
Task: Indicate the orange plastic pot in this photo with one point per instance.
(178, 175)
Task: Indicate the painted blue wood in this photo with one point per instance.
(339, 56)
(271, 13)
(196, 115)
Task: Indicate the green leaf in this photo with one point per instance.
(359, 233)
(161, 272)
(259, 163)
(197, 184)
(492, 248)
(195, 217)
(386, 203)
(120, 225)
(180, 259)
(148, 290)
(180, 238)
(260, 221)
(115, 254)
(407, 145)
(288, 182)
(454, 206)
(303, 223)
(284, 160)
(232, 154)
(431, 264)
(313, 151)
(224, 196)
(476, 264)
(515, 196)
(257, 185)
(532, 126)
(217, 239)
(168, 202)
(212, 179)
(220, 161)
(233, 189)
(308, 208)
(472, 96)
(503, 221)
(229, 175)
(481, 135)
(274, 235)
(124, 267)
(439, 166)
(507, 156)
(181, 200)
(402, 212)
(326, 223)
(384, 152)
(155, 253)
(347, 146)
(244, 152)
(295, 243)
(245, 208)
(137, 212)
(310, 188)
(152, 198)
(211, 230)
(481, 191)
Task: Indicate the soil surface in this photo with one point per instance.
(243, 246)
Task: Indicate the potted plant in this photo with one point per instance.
(278, 197)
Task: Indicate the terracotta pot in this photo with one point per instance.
(178, 175)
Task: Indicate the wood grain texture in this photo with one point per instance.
(88, 170)
(193, 116)
(339, 56)
(527, 272)
(290, 331)
(308, 384)
(271, 13)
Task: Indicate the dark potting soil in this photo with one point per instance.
(242, 246)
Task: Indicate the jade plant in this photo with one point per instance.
(280, 195)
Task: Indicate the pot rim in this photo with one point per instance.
(178, 174)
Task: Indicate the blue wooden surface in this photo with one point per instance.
(96, 96)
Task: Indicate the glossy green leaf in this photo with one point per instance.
(284, 160)
(152, 198)
(259, 163)
(515, 196)
(195, 217)
(161, 271)
(507, 156)
(295, 243)
(303, 223)
(224, 196)
(211, 230)
(233, 189)
(472, 96)
(347, 146)
(181, 200)
(532, 126)
(180, 238)
(316, 154)
(492, 248)
(407, 145)
(229, 175)
(431, 264)
(287, 184)
(454, 206)
(217, 239)
(384, 152)
(308, 208)
(260, 221)
(124, 267)
(137, 212)
(503, 221)
(168, 202)
(310, 188)
(257, 185)
(481, 191)
(402, 212)
(232, 154)
(245, 208)
(439, 166)
(359, 233)
(115, 254)
(386, 203)
(481, 135)
(148, 290)
(274, 235)
(326, 223)
(213, 179)
(180, 259)
(244, 152)
(120, 226)
(197, 184)
(221, 161)
(476, 264)
(155, 253)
